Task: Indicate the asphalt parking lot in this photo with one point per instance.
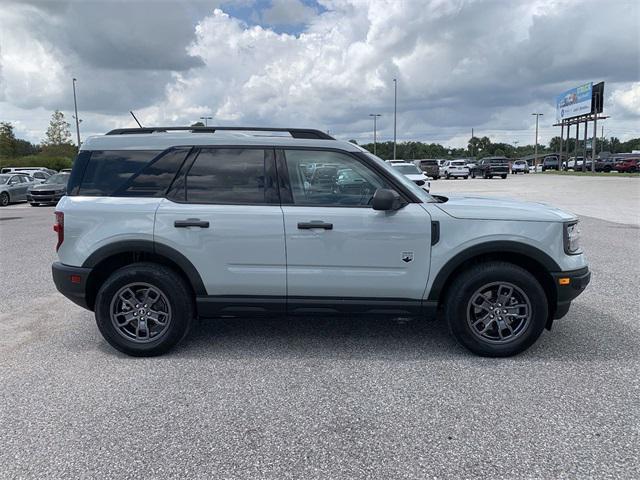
(328, 398)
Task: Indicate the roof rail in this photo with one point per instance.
(294, 132)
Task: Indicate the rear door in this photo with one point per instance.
(223, 213)
(341, 254)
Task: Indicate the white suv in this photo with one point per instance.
(160, 227)
(455, 169)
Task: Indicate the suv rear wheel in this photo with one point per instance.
(144, 309)
(496, 309)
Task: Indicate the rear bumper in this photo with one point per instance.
(71, 282)
(578, 281)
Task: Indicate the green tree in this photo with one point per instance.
(57, 142)
(197, 124)
(58, 132)
(614, 145)
(7, 140)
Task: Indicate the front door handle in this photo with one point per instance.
(315, 224)
(191, 222)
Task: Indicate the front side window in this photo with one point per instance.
(336, 179)
(227, 176)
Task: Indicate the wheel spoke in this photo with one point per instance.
(128, 301)
(485, 302)
(504, 296)
(127, 316)
(150, 297)
(487, 326)
(155, 316)
(142, 330)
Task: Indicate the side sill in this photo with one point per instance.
(210, 306)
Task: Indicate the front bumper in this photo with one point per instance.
(71, 282)
(567, 292)
(54, 198)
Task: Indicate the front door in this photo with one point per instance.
(341, 254)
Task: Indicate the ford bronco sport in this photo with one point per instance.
(161, 226)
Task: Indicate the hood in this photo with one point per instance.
(49, 186)
(487, 208)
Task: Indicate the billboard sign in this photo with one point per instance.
(574, 102)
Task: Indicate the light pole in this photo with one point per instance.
(205, 120)
(375, 118)
(535, 152)
(75, 106)
(395, 111)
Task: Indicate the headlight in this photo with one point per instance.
(571, 238)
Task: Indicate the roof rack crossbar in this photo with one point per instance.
(294, 132)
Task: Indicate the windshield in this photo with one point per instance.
(407, 169)
(459, 163)
(61, 178)
(415, 189)
(4, 179)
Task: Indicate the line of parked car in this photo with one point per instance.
(36, 185)
(627, 163)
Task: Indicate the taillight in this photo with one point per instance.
(58, 227)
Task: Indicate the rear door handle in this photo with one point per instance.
(191, 222)
(315, 224)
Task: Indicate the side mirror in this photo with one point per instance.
(385, 199)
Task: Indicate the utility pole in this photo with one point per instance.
(594, 141)
(375, 118)
(575, 155)
(535, 152)
(205, 120)
(75, 106)
(584, 157)
(561, 140)
(473, 150)
(395, 111)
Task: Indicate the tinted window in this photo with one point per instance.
(227, 176)
(338, 179)
(154, 179)
(108, 171)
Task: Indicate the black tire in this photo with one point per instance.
(179, 298)
(473, 174)
(466, 176)
(463, 290)
(33, 204)
(4, 199)
(504, 176)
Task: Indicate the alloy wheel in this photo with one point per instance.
(499, 312)
(140, 312)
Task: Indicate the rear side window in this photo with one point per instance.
(154, 179)
(228, 176)
(107, 172)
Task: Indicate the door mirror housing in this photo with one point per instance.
(385, 199)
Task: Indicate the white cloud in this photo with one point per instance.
(460, 64)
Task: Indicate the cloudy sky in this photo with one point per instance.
(325, 64)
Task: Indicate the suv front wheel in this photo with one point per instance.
(144, 309)
(496, 309)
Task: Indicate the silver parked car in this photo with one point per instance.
(49, 192)
(13, 188)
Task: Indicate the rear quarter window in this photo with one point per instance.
(141, 173)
